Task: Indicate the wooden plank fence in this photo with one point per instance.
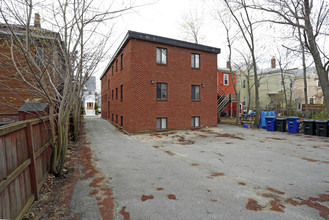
(25, 152)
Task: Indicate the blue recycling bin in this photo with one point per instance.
(270, 123)
(293, 124)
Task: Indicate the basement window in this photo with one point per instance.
(161, 123)
(195, 121)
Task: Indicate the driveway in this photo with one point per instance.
(227, 172)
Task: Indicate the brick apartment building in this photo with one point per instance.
(157, 83)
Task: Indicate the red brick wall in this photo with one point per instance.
(14, 91)
(140, 107)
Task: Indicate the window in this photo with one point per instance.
(162, 91)
(112, 117)
(39, 55)
(121, 120)
(195, 60)
(195, 92)
(161, 123)
(121, 92)
(195, 121)
(116, 93)
(116, 65)
(244, 101)
(90, 105)
(121, 61)
(226, 79)
(161, 56)
(311, 100)
(244, 83)
(116, 119)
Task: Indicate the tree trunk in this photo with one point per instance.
(323, 75)
(284, 87)
(77, 120)
(256, 89)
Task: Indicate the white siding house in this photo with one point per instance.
(89, 96)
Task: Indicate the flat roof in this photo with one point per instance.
(162, 40)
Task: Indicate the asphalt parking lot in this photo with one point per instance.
(228, 172)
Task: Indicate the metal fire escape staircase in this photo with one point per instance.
(222, 100)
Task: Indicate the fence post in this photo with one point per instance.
(32, 167)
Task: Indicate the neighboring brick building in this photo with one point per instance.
(226, 88)
(20, 87)
(156, 83)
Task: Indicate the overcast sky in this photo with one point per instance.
(164, 18)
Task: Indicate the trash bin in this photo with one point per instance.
(293, 124)
(270, 123)
(309, 126)
(281, 124)
(321, 128)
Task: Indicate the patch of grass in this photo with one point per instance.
(228, 120)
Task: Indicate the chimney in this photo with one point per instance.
(37, 20)
(228, 64)
(273, 65)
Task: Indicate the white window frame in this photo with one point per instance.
(163, 92)
(195, 61)
(226, 79)
(195, 93)
(311, 98)
(161, 123)
(195, 121)
(161, 55)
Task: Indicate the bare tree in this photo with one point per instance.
(226, 22)
(242, 17)
(71, 56)
(311, 18)
(191, 26)
(285, 58)
(245, 69)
